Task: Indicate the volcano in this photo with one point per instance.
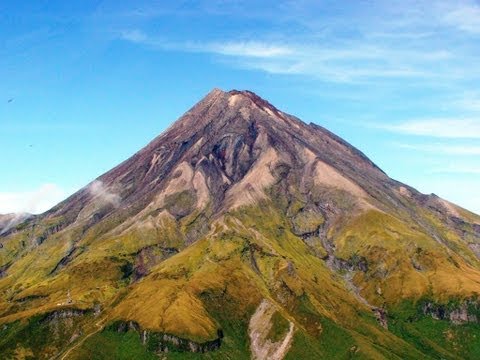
(242, 232)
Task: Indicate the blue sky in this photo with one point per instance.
(85, 84)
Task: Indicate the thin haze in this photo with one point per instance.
(87, 83)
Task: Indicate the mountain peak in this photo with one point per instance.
(230, 142)
(256, 100)
(215, 92)
(220, 107)
(233, 96)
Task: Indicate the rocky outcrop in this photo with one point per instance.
(48, 232)
(148, 257)
(3, 270)
(476, 228)
(381, 316)
(65, 260)
(64, 314)
(29, 298)
(64, 325)
(163, 343)
(464, 312)
(354, 263)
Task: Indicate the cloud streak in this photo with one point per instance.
(457, 170)
(134, 36)
(248, 49)
(440, 128)
(465, 17)
(444, 149)
(349, 62)
(254, 49)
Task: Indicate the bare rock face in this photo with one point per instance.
(163, 343)
(260, 324)
(224, 152)
(465, 312)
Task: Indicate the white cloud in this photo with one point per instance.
(346, 62)
(399, 40)
(454, 169)
(440, 127)
(254, 49)
(247, 49)
(9, 222)
(47, 196)
(35, 201)
(403, 40)
(444, 148)
(100, 192)
(465, 17)
(135, 36)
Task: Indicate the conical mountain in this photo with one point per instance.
(242, 232)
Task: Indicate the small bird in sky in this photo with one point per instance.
(10, 100)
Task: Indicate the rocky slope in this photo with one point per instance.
(242, 232)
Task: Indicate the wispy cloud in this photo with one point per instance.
(255, 49)
(35, 201)
(248, 49)
(441, 127)
(457, 169)
(465, 17)
(408, 40)
(134, 35)
(342, 63)
(443, 148)
(101, 193)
